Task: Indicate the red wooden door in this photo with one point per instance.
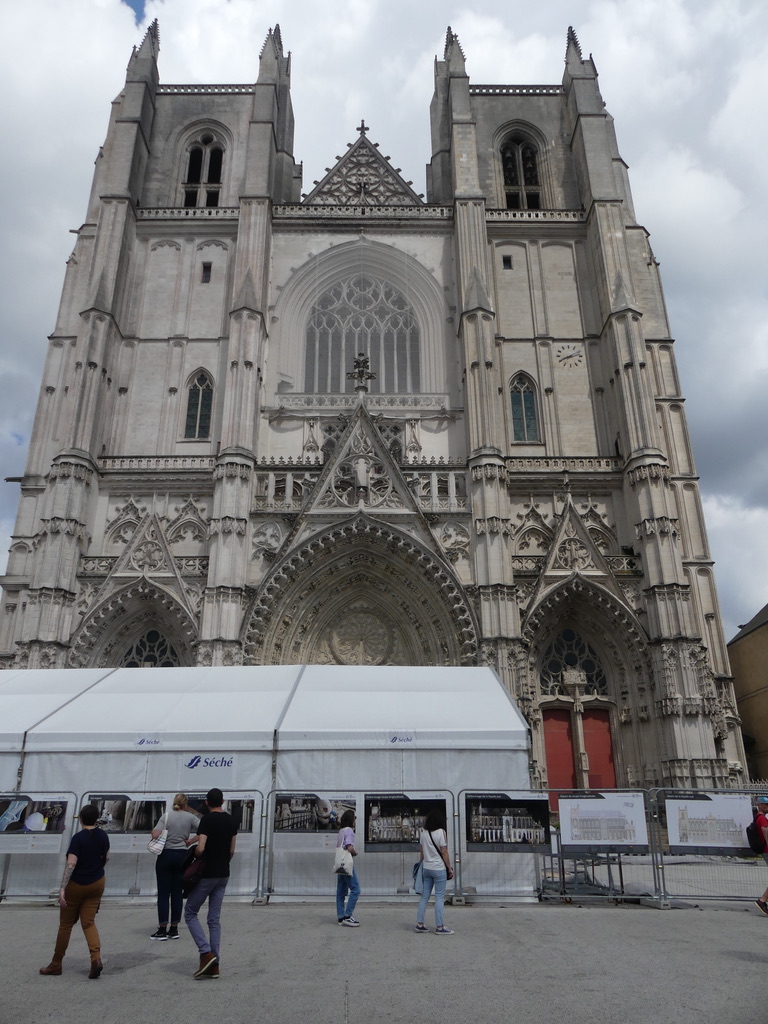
(558, 747)
(599, 748)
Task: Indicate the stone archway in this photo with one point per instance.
(362, 592)
(605, 686)
(120, 620)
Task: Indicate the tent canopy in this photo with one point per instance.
(292, 707)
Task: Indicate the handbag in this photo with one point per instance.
(418, 877)
(342, 862)
(157, 846)
(192, 872)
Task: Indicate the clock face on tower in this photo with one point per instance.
(569, 355)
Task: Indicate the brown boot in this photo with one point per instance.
(207, 962)
(96, 968)
(52, 968)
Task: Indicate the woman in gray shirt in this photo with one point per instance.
(182, 833)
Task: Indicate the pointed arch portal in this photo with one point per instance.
(141, 619)
(361, 593)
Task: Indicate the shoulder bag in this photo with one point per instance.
(157, 846)
(342, 862)
(418, 877)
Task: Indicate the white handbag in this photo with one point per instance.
(342, 864)
(157, 846)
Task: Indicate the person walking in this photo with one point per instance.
(347, 886)
(182, 833)
(762, 826)
(436, 865)
(217, 833)
(82, 886)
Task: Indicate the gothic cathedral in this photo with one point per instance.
(355, 426)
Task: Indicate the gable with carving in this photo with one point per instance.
(363, 177)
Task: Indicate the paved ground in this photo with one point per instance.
(575, 964)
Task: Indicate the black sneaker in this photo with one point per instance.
(173, 932)
(160, 935)
(762, 906)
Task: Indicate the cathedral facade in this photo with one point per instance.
(358, 425)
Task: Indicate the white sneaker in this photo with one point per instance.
(350, 922)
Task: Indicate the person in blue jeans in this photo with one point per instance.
(182, 833)
(437, 869)
(347, 886)
(217, 833)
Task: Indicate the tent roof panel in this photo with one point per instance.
(176, 709)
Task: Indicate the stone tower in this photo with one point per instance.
(356, 426)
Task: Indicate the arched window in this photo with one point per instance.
(151, 650)
(520, 166)
(199, 404)
(202, 184)
(362, 314)
(569, 652)
(525, 423)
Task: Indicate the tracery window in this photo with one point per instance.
(525, 423)
(568, 655)
(199, 405)
(151, 650)
(202, 185)
(520, 167)
(362, 314)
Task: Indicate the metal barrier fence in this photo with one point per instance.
(656, 845)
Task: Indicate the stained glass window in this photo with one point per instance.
(570, 651)
(525, 426)
(199, 405)
(362, 314)
(151, 650)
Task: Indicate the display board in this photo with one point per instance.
(34, 822)
(610, 821)
(708, 823)
(506, 822)
(393, 820)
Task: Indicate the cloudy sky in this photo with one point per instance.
(684, 79)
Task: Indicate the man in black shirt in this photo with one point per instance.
(217, 833)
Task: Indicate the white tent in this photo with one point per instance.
(401, 728)
(133, 737)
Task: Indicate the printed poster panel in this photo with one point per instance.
(242, 807)
(393, 821)
(708, 823)
(506, 822)
(602, 822)
(20, 814)
(34, 823)
(309, 821)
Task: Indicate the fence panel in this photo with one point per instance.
(302, 829)
(702, 847)
(601, 846)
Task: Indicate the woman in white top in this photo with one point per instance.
(436, 866)
(182, 833)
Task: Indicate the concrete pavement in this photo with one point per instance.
(286, 963)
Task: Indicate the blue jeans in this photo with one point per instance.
(437, 879)
(347, 884)
(169, 882)
(211, 889)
